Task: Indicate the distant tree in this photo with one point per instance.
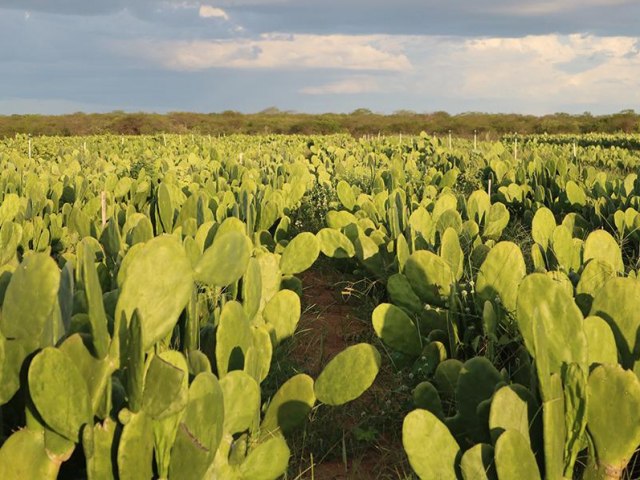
(405, 112)
(270, 111)
(361, 111)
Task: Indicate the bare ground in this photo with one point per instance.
(360, 440)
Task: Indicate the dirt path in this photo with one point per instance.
(348, 442)
(331, 320)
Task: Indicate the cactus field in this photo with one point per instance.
(151, 288)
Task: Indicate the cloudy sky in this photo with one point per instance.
(59, 56)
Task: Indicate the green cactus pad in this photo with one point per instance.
(200, 430)
(451, 252)
(258, 360)
(165, 385)
(335, 244)
(30, 298)
(601, 245)
(97, 442)
(541, 302)
(495, 221)
(508, 412)
(233, 339)
(341, 219)
(575, 194)
(564, 249)
(289, 406)
(396, 329)
(514, 458)
(476, 383)
(477, 463)
(241, 396)
(96, 373)
(282, 312)
(478, 205)
(595, 274)
(402, 295)
(574, 380)
(59, 392)
(500, 275)
(300, 254)
(252, 289)
(348, 374)
(618, 303)
(446, 377)
(345, 195)
(429, 276)
(157, 296)
(601, 343)
(135, 450)
(97, 316)
(426, 397)
(268, 461)
(135, 364)
(432, 450)
(542, 227)
(613, 416)
(225, 261)
(23, 456)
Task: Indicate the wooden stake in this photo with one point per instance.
(103, 202)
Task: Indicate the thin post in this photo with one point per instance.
(489, 187)
(449, 139)
(575, 152)
(103, 203)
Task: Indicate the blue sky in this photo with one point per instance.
(60, 56)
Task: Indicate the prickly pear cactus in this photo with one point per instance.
(396, 329)
(477, 463)
(348, 374)
(618, 303)
(431, 448)
(59, 392)
(159, 298)
(542, 227)
(601, 245)
(541, 301)
(514, 458)
(430, 277)
(300, 254)
(501, 274)
(614, 400)
(225, 261)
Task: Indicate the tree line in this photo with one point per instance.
(359, 122)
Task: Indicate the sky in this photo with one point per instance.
(512, 56)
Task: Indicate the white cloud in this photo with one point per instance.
(536, 74)
(554, 7)
(347, 86)
(207, 11)
(277, 51)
